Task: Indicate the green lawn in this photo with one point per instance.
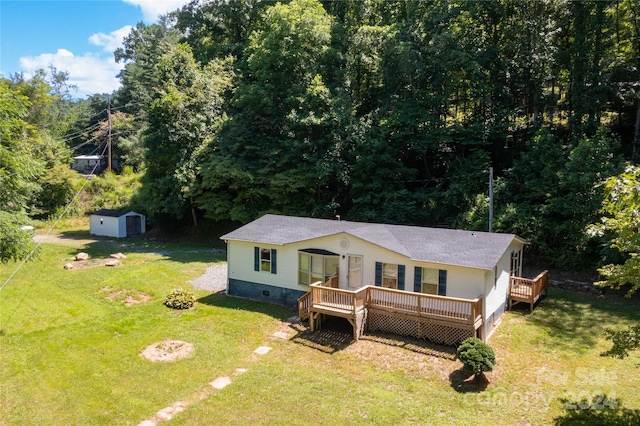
(70, 355)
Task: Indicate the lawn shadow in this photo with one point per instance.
(335, 334)
(97, 246)
(221, 300)
(423, 347)
(603, 417)
(463, 381)
(568, 318)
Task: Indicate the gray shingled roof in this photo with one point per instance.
(111, 213)
(445, 246)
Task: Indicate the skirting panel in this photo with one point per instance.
(420, 328)
(263, 292)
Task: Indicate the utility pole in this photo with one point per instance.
(490, 199)
(109, 133)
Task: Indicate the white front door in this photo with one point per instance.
(354, 274)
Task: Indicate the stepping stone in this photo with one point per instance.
(281, 335)
(240, 371)
(262, 350)
(169, 412)
(221, 382)
(147, 423)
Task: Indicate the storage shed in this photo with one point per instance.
(116, 223)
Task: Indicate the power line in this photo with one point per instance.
(68, 206)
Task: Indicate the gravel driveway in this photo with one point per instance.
(213, 279)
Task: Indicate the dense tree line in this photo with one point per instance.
(388, 111)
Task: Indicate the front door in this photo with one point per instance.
(354, 277)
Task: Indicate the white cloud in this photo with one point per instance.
(113, 40)
(92, 74)
(151, 9)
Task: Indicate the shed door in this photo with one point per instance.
(134, 226)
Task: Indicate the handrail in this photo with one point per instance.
(528, 290)
(422, 305)
(304, 304)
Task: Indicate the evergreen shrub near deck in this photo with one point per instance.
(476, 355)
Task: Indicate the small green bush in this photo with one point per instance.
(476, 355)
(180, 299)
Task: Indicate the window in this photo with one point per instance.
(389, 275)
(265, 260)
(429, 281)
(316, 267)
(516, 263)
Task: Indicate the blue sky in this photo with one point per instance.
(77, 36)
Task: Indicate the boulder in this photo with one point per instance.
(81, 256)
(68, 266)
(112, 262)
(117, 256)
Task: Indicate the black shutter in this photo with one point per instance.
(256, 258)
(442, 282)
(417, 280)
(274, 254)
(401, 277)
(378, 281)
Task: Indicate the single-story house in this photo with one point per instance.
(279, 258)
(116, 223)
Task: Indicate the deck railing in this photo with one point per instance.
(416, 304)
(425, 305)
(528, 290)
(304, 305)
(334, 298)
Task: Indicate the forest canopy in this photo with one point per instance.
(387, 111)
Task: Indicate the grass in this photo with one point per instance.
(69, 355)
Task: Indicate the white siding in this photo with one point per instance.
(497, 290)
(467, 283)
(113, 226)
(107, 228)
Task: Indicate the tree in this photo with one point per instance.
(19, 170)
(476, 356)
(140, 53)
(185, 113)
(270, 153)
(623, 341)
(621, 209)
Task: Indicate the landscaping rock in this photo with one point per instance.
(81, 256)
(167, 351)
(112, 262)
(117, 256)
(68, 266)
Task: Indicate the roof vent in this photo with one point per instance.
(344, 243)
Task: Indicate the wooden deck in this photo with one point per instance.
(400, 312)
(528, 290)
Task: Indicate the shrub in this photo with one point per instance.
(476, 355)
(180, 299)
